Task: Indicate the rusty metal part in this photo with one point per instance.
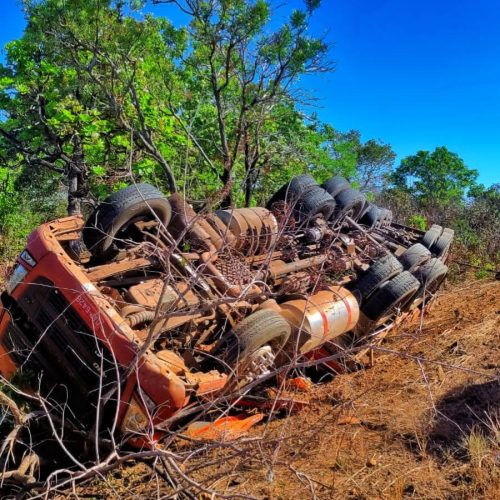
(140, 318)
(324, 316)
(131, 309)
(354, 224)
(106, 270)
(279, 268)
(176, 363)
(257, 259)
(255, 229)
(228, 238)
(296, 283)
(150, 292)
(223, 429)
(206, 382)
(218, 278)
(234, 268)
(188, 270)
(187, 224)
(264, 229)
(67, 228)
(270, 304)
(163, 325)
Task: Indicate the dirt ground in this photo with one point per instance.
(423, 422)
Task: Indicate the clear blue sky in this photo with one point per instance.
(415, 74)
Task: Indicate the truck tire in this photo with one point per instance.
(395, 293)
(441, 247)
(112, 220)
(291, 191)
(431, 275)
(255, 331)
(414, 256)
(350, 202)
(431, 236)
(366, 207)
(372, 216)
(335, 185)
(377, 274)
(315, 201)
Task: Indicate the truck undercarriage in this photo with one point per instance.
(149, 315)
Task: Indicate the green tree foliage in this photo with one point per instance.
(479, 221)
(247, 73)
(375, 160)
(76, 99)
(25, 202)
(94, 95)
(435, 179)
(367, 164)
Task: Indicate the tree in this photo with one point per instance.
(374, 164)
(91, 95)
(245, 71)
(78, 95)
(435, 179)
(368, 163)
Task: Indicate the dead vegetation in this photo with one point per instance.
(335, 446)
(423, 422)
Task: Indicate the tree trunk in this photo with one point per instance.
(227, 184)
(77, 174)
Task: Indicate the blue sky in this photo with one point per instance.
(415, 74)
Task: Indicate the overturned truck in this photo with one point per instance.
(148, 315)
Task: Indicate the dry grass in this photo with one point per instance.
(477, 447)
(426, 422)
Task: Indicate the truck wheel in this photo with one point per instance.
(366, 207)
(371, 217)
(414, 256)
(431, 236)
(112, 222)
(441, 247)
(431, 275)
(261, 328)
(385, 217)
(377, 274)
(395, 294)
(335, 185)
(315, 201)
(350, 202)
(291, 191)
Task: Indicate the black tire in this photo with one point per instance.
(350, 202)
(431, 275)
(255, 331)
(315, 201)
(291, 191)
(335, 185)
(378, 273)
(414, 256)
(396, 293)
(366, 207)
(112, 220)
(441, 247)
(431, 235)
(371, 217)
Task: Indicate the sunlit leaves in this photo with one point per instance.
(435, 178)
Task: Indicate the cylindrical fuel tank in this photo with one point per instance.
(322, 317)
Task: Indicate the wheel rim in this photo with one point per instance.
(256, 365)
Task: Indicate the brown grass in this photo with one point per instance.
(425, 427)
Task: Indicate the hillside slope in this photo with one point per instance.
(423, 422)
